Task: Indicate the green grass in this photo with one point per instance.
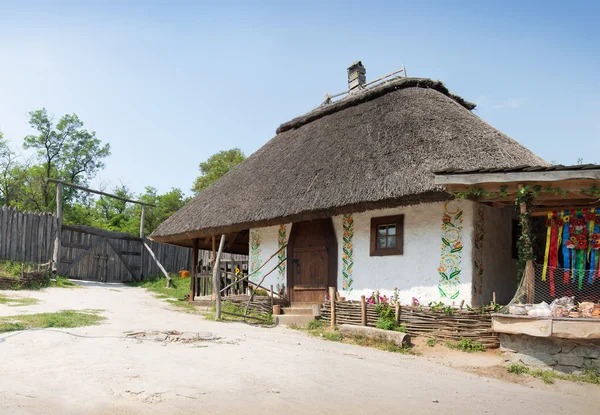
(13, 268)
(60, 319)
(175, 295)
(17, 302)
(466, 345)
(233, 308)
(63, 282)
(431, 342)
(319, 328)
(549, 376)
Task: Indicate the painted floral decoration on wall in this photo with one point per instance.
(255, 250)
(478, 251)
(347, 253)
(450, 262)
(281, 242)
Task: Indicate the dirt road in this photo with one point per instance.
(95, 370)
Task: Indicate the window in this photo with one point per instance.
(387, 235)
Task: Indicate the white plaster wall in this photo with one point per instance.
(500, 269)
(268, 247)
(415, 272)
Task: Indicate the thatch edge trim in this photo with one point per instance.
(427, 197)
(371, 94)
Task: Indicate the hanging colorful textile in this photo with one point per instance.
(547, 250)
(580, 226)
(594, 245)
(566, 249)
(554, 224)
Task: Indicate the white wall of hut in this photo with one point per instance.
(416, 273)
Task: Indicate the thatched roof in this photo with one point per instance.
(376, 148)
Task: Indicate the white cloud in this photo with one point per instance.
(511, 103)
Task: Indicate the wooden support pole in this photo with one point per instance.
(397, 313)
(58, 239)
(332, 299)
(142, 235)
(529, 270)
(193, 265)
(363, 310)
(217, 279)
(494, 298)
(164, 271)
(213, 260)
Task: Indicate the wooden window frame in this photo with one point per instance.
(386, 220)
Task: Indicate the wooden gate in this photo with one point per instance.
(98, 255)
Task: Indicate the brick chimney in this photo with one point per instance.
(357, 76)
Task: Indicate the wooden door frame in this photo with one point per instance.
(332, 254)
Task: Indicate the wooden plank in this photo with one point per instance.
(82, 255)
(59, 217)
(576, 329)
(521, 177)
(529, 326)
(98, 192)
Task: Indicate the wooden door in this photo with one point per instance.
(312, 261)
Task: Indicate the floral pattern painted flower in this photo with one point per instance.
(450, 269)
(347, 253)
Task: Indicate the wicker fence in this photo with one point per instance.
(422, 321)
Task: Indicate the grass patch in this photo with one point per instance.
(17, 302)
(431, 342)
(63, 282)
(60, 319)
(13, 268)
(175, 295)
(319, 328)
(549, 376)
(466, 345)
(233, 308)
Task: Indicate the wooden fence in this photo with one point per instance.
(86, 252)
(422, 321)
(27, 236)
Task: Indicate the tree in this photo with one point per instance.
(65, 151)
(8, 162)
(216, 166)
(166, 204)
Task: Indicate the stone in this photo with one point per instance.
(546, 346)
(567, 369)
(569, 360)
(590, 363)
(536, 359)
(567, 346)
(399, 338)
(592, 351)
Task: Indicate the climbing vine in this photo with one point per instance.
(526, 238)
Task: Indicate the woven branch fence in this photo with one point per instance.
(260, 304)
(423, 321)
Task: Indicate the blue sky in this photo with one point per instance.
(167, 84)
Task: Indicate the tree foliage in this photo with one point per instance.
(217, 166)
(65, 150)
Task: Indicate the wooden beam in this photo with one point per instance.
(517, 177)
(193, 268)
(58, 239)
(217, 279)
(164, 271)
(121, 259)
(98, 192)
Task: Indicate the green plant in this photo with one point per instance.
(517, 369)
(17, 302)
(466, 345)
(62, 319)
(431, 342)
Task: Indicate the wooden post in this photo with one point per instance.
(217, 278)
(193, 266)
(271, 296)
(164, 271)
(363, 310)
(213, 260)
(142, 235)
(397, 314)
(529, 270)
(332, 299)
(494, 298)
(58, 239)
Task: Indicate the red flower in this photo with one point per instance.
(446, 219)
(558, 222)
(589, 216)
(595, 237)
(548, 222)
(582, 244)
(581, 237)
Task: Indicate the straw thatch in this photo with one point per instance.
(377, 148)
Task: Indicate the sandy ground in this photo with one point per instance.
(95, 370)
